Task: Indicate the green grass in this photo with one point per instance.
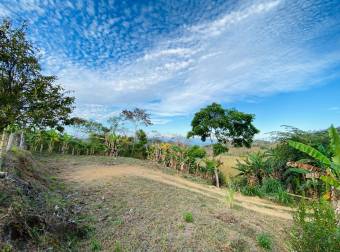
(188, 217)
(264, 240)
(117, 247)
(95, 245)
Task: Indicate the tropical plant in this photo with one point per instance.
(53, 137)
(330, 168)
(254, 169)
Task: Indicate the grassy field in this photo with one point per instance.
(228, 166)
(234, 154)
(131, 212)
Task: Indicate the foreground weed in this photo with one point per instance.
(315, 228)
(6, 248)
(118, 221)
(181, 226)
(264, 240)
(95, 245)
(118, 247)
(188, 217)
(230, 197)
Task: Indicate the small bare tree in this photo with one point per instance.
(137, 117)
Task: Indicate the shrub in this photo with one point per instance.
(252, 190)
(315, 228)
(284, 198)
(270, 185)
(196, 152)
(188, 217)
(264, 240)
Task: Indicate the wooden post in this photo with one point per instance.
(2, 146)
(10, 141)
(22, 140)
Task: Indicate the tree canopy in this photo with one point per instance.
(137, 116)
(223, 125)
(28, 98)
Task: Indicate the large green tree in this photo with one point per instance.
(28, 98)
(223, 127)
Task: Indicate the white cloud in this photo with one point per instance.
(4, 12)
(256, 49)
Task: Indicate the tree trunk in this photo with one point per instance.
(41, 147)
(216, 178)
(10, 141)
(22, 140)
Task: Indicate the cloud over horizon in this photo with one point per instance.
(172, 59)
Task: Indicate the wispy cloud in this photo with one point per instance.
(252, 49)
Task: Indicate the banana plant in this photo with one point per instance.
(111, 141)
(53, 137)
(331, 174)
(65, 142)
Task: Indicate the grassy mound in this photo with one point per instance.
(34, 211)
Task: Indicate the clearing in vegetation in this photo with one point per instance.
(140, 207)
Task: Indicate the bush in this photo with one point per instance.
(284, 198)
(315, 228)
(264, 240)
(252, 190)
(274, 189)
(196, 152)
(188, 217)
(270, 185)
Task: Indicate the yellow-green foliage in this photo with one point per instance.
(192, 159)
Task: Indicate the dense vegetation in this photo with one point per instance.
(286, 167)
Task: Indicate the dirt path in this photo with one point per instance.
(95, 174)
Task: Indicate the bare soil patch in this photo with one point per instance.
(104, 173)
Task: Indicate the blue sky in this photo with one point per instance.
(278, 59)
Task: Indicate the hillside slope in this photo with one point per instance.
(135, 206)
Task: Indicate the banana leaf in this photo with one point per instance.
(335, 143)
(330, 180)
(310, 151)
